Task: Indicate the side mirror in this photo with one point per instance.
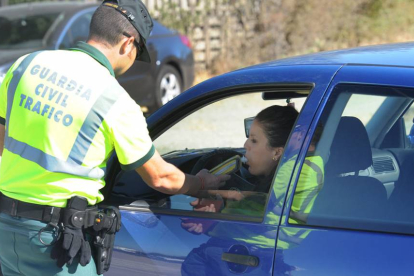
(247, 124)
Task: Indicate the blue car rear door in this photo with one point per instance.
(349, 209)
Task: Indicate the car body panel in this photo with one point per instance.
(387, 54)
(162, 244)
(340, 252)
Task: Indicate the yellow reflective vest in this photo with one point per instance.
(65, 114)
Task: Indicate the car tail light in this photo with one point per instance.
(185, 41)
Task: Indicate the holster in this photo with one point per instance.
(101, 224)
(107, 223)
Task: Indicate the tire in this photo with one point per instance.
(169, 85)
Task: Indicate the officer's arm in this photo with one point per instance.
(168, 179)
(2, 132)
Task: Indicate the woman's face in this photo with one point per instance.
(261, 158)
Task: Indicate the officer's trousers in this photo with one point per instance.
(22, 253)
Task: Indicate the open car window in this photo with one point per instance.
(203, 140)
(218, 125)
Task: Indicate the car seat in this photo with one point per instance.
(348, 196)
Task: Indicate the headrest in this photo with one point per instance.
(351, 149)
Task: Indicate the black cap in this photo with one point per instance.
(136, 12)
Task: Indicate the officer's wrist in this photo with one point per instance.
(201, 182)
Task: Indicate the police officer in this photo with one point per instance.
(62, 113)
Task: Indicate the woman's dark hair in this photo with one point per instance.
(277, 123)
(108, 26)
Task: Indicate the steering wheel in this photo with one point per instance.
(212, 159)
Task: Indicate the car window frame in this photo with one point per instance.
(395, 77)
(69, 24)
(223, 94)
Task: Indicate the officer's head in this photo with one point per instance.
(124, 25)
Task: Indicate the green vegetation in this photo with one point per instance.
(179, 19)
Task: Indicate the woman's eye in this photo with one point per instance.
(254, 141)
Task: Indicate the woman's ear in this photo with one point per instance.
(277, 153)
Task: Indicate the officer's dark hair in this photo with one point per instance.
(277, 123)
(108, 24)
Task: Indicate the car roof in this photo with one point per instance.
(43, 8)
(397, 54)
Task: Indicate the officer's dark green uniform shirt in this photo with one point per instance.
(65, 113)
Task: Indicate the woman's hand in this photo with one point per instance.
(207, 205)
(192, 227)
(200, 226)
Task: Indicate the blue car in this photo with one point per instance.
(355, 114)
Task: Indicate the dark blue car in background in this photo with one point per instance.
(355, 107)
(29, 27)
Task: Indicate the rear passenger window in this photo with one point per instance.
(354, 176)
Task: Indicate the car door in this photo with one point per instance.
(358, 220)
(165, 235)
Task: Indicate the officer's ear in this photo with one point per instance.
(127, 46)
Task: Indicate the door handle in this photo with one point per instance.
(240, 259)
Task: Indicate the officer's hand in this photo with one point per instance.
(71, 243)
(211, 181)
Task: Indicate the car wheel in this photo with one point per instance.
(169, 85)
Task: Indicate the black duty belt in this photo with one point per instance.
(79, 214)
(17, 208)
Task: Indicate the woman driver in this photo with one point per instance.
(264, 147)
(267, 137)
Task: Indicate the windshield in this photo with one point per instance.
(25, 32)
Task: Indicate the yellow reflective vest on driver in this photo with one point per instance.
(65, 114)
